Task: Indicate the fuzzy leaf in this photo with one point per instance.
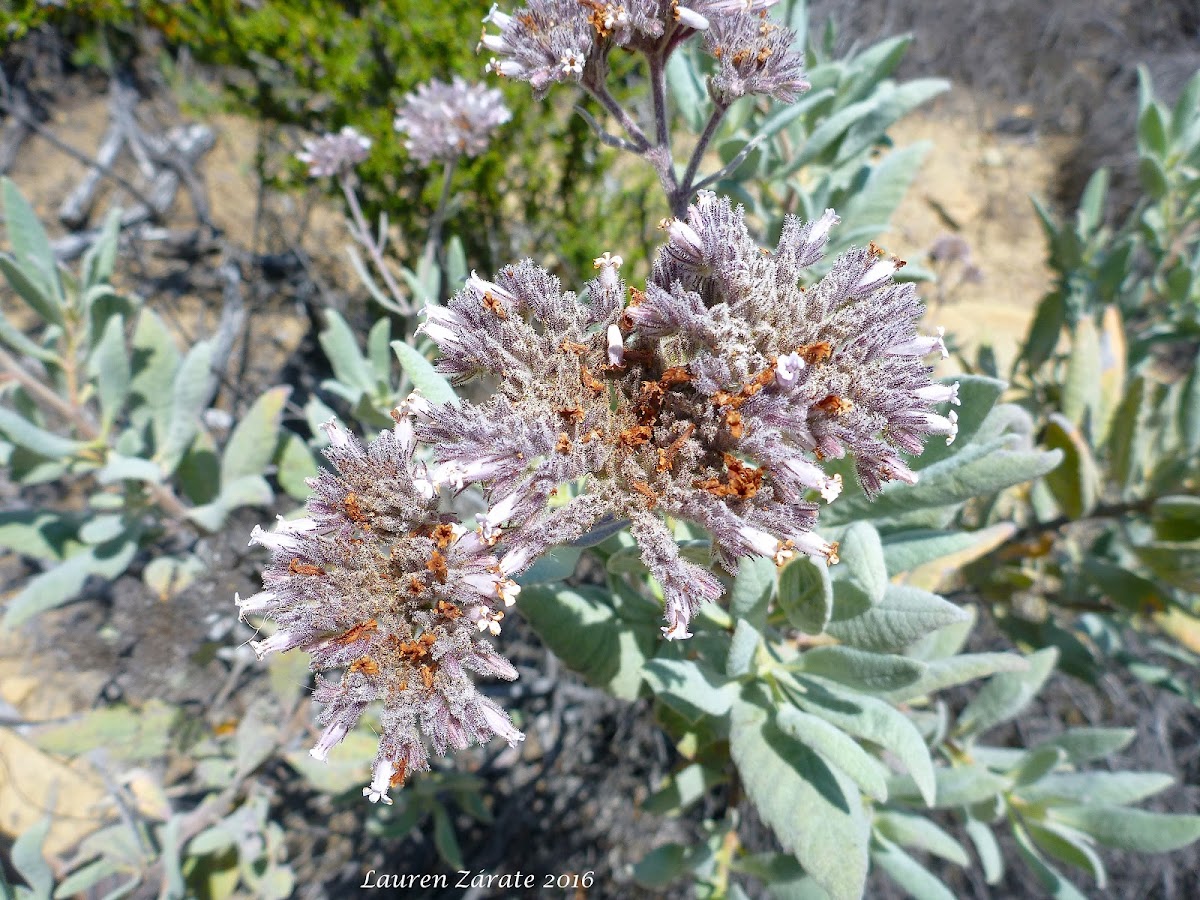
(350, 367)
(424, 377)
(860, 579)
(1006, 694)
(690, 688)
(861, 670)
(61, 584)
(252, 443)
(872, 720)
(814, 811)
(837, 749)
(904, 615)
(1075, 483)
(584, 630)
(913, 830)
(940, 674)
(1131, 829)
(37, 440)
(917, 881)
(189, 394)
(806, 594)
(1096, 788)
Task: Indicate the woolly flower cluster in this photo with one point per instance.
(549, 41)
(713, 396)
(446, 121)
(377, 584)
(334, 154)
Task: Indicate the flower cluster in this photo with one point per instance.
(555, 41)
(712, 396)
(376, 583)
(446, 121)
(334, 154)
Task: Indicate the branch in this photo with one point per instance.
(731, 166)
(606, 137)
(83, 423)
(600, 92)
(710, 131)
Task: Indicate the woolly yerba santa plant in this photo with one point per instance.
(713, 395)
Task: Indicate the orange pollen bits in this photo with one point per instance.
(354, 509)
(634, 436)
(366, 665)
(494, 306)
(590, 381)
(564, 443)
(572, 347)
(834, 405)
(646, 491)
(298, 568)
(397, 778)
(815, 354)
(448, 610)
(571, 413)
(437, 565)
(427, 673)
(832, 555)
(357, 633)
(733, 421)
(741, 481)
(444, 535)
(415, 585)
(757, 383)
(415, 651)
(666, 456)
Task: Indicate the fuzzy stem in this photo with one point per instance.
(600, 92)
(686, 186)
(363, 235)
(433, 246)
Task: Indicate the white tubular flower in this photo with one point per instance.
(616, 346)
(484, 289)
(813, 476)
(275, 540)
(516, 560)
(338, 437)
(685, 242)
(947, 425)
(922, 346)
(677, 632)
(810, 544)
(897, 470)
(690, 18)
(819, 231)
(255, 604)
(572, 62)
(378, 790)
(879, 274)
(608, 264)
(763, 543)
(499, 723)
(505, 68)
(416, 406)
(939, 393)
(497, 18)
(490, 522)
(330, 738)
(277, 643)
(788, 369)
(485, 618)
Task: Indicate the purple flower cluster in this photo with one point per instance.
(374, 582)
(446, 121)
(555, 41)
(713, 396)
(334, 154)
